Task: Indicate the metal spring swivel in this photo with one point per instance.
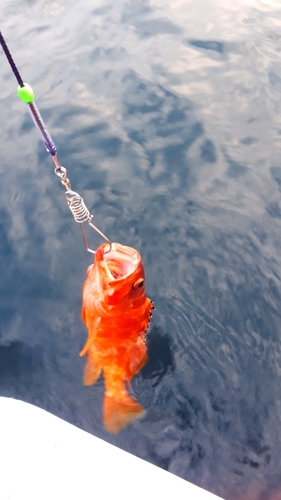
(78, 208)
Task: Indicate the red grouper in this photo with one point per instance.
(117, 313)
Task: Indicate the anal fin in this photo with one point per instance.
(92, 369)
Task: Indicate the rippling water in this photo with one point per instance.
(167, 115)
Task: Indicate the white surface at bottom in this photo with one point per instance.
(43, 457)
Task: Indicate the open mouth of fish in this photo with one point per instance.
(121, 261)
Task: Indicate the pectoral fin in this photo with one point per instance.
(83, 314)
(92, 332)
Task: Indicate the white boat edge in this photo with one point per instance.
(43, 457)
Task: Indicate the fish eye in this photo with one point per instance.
(138, 284)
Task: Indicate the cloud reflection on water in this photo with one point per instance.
(168, 120)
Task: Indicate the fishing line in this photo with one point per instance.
(75, 202)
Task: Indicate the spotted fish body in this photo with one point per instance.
(117, 313)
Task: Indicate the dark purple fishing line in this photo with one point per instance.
(49, 144)
(11, 61)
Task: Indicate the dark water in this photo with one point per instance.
(167, 115)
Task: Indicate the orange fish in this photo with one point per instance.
(117, 313)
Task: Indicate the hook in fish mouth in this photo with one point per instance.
(120, 261)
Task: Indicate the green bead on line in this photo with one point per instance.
(26, 93)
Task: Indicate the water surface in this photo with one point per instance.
(167, 116)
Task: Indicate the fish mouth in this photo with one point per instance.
(120, 261)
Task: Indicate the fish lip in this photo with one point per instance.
(127, 258)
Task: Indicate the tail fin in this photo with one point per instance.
(119, 411)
